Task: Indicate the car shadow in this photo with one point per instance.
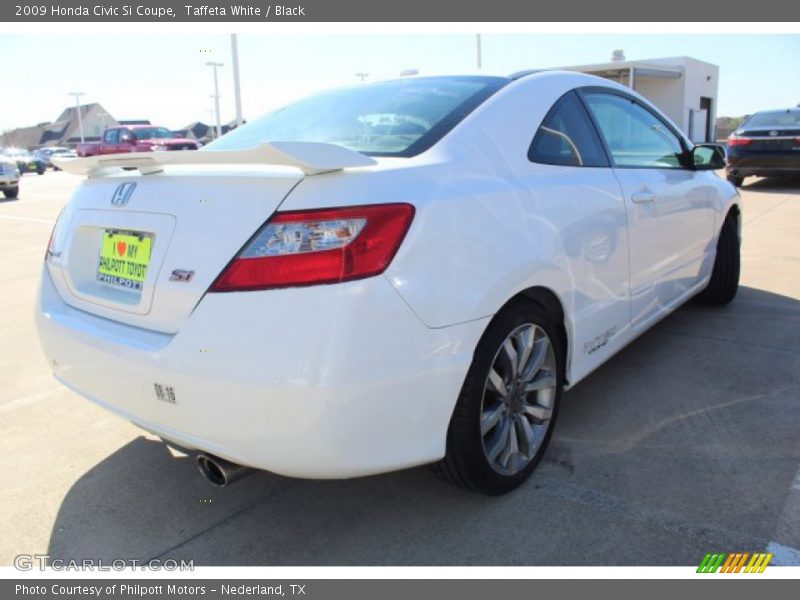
(684, 441)
(773, 185)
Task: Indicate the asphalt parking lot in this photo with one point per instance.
(687, 442)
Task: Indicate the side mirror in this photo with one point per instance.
(127, 139)
(708, 157)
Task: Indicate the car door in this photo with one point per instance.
(110, 141)
(670, 210)
(127, 141)
(573, 191)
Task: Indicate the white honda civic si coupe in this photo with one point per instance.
(386, 275)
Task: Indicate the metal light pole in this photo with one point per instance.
(362, 76)
(211, 130)
(215, 96)
(237, 94)
(478, 48)
(78, 110)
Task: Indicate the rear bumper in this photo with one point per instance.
(763, 165)
(321, 382)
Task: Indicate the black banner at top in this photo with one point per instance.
(441, 11)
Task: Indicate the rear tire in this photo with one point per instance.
(735, 180)
(724, 281)
(11, 192)
(495, 440)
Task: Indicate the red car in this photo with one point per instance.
(136, 138)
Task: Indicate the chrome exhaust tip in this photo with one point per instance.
(220, 472)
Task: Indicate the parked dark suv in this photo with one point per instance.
(767, 144)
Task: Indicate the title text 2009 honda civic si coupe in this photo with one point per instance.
(387, 275)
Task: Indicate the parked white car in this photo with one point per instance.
(384, 276)
(61, 152)
(9, 177)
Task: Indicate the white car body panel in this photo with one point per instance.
(361, 377)
(277, 393)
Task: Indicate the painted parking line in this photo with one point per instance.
(784, 556)
(788, 528)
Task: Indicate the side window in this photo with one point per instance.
(567, 137)
(635, 136)
(111, 136)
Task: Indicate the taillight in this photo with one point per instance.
(308, 247)
(49, 250)
(735, 140)
(49, 243)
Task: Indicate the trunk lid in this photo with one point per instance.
(190, 221)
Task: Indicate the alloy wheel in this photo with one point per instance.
(518, 399)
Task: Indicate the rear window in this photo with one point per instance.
(152, 133)
(392, 118)
(774, 120)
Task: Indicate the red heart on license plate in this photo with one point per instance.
(121, 248)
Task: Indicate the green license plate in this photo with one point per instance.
(124, 258)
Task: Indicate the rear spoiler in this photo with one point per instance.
(312, 158)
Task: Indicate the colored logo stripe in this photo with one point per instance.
(758, 563)
(711, 563)
(734, 562)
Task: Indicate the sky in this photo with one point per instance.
(163, 77)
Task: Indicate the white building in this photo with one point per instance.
(684, 88)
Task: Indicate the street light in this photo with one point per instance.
(362, 76)
(216, 94)
(210, 132)
(78, 110)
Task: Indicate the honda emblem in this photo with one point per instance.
(123, 193)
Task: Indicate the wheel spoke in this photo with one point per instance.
(526, 340)
(542, 381)
(491, 417)
(499, 439)
(528, 447)
(538, 411)
(537, 359)
(512, 445)
(511, 355)
(496, 383)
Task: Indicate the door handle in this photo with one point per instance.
(643, 197)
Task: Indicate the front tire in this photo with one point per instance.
(11, 192)
(724, 281)
(507, 408)
(736, 180)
